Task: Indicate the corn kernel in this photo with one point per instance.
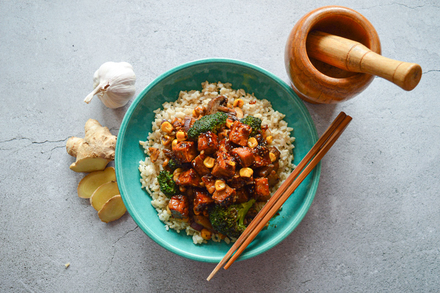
(219, 185)
(272, 157)
(238, 103)
(165, 163)
(168, 210)
(182, 189)
(252, 142)
(209, 162)
(176, 173)
(181, 135)
(166, 127)
(174, 143)
(246, 172)
(200, 110)
(269, 139)
(229, 123)
(166, 140)
(206, 234)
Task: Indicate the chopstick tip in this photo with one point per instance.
(211, 275)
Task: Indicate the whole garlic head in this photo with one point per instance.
(113, 83)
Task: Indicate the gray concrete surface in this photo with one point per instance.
(373, 226)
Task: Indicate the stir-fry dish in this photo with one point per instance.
(217, 167)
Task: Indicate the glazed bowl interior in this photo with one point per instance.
(137, 124)
(343, 22)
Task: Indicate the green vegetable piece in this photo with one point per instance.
(173, 164)
(207, 123)
(229, 220)
(253, 122)
(167, 184)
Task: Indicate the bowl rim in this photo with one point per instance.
(127, 117)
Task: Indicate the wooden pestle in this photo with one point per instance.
(353, 56)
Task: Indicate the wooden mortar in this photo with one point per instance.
(333, 53)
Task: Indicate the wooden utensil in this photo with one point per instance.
(306, 165)
(353, 56)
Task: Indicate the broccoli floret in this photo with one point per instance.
(211, 122)
(167, 184)
(229, 220)
(253, 122)
(173, 164)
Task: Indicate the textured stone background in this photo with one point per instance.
(374, 223)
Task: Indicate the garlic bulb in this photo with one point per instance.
(113, 84)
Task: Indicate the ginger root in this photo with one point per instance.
(103, 193)
(112, 210)
(88, 185)
(94, 151)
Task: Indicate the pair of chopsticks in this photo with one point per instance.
(307, 164)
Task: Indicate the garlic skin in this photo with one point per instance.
(114, 84)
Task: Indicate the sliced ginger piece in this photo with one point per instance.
(92, 181)
(103, 193)
(94, 151)
(112, 210)
(88, 165)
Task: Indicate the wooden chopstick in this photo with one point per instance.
(280, 191)
(332, 133)
(290, 190)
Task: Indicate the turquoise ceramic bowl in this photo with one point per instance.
(137, 124)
